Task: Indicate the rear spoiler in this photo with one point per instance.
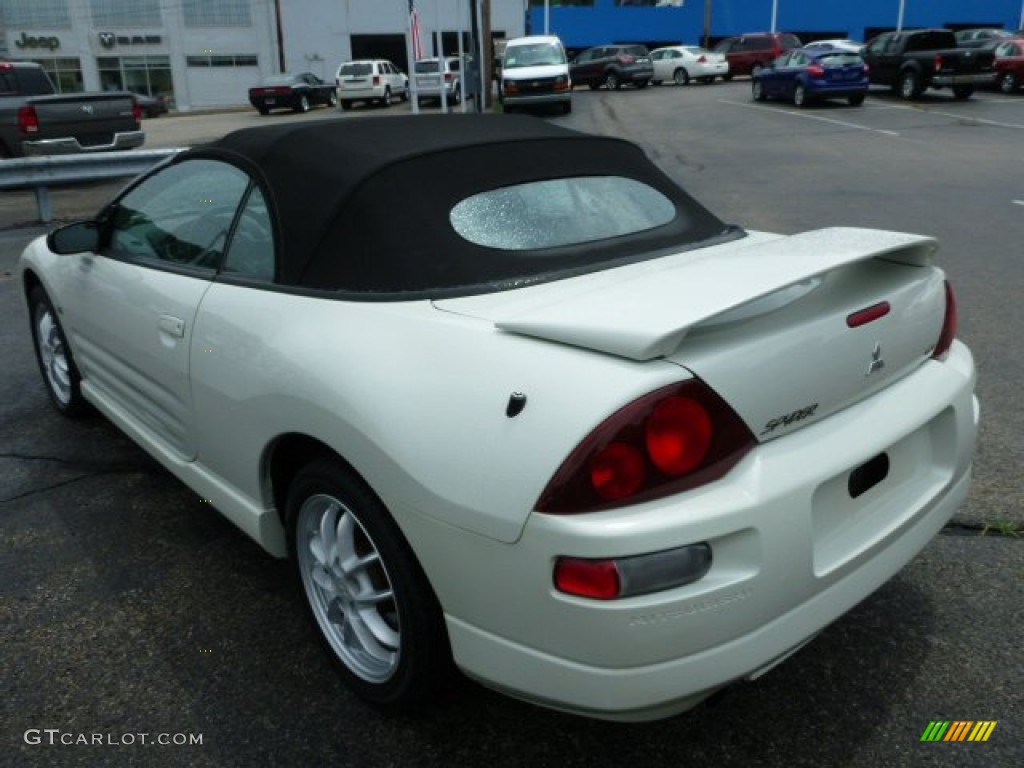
(643, 311)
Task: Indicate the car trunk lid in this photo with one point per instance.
(771, 323)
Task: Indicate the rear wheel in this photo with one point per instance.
(800, 95)
(681, 77)
(53, 354)
(346, 104)
(386, 101)
(365, 590)
(1008, 82)
(962, 92)
(856, 100)
(757, 90)
(611, 81)
(909, 85)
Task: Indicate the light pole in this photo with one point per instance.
(775, 14)
(899, 21)
(547, 17)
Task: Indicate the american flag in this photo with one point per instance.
(414, 31)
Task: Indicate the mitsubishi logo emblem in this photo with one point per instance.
(877, 363)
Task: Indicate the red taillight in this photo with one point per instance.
(937, 61)
(868, 314)
(816, 70)
(867, 70)
(598, 579)
(673, 439)
(949, 326)
(376, 79)
(28, 120)
(137, 112)
(625, 58)
(702, 59)
(448, 77)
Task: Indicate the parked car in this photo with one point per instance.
(979, 38)
(804, 76)
(439, 76)
(375, 81)
(912, 61)
(612, 66)
(852, 46)
(535, 72)
(682, 63)
(746, 54)
(1010, 65)
(296, 92)
(36, 120)
(526, 440)
(151, 106)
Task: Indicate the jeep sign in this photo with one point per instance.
(50, 43)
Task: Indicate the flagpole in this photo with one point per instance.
(410, 53)
(462, 58)
(439, 43)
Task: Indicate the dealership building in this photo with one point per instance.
(207, 53)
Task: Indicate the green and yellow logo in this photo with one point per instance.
(959, 730)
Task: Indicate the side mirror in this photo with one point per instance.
(75, 238)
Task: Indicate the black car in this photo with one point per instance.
(612, 66)
(151, 106)
(296, 92)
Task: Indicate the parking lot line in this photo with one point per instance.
(958, 116)
(792, 113)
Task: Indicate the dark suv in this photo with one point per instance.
(612, 66)
(747, 54)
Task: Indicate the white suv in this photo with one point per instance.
(370, 80)
(431, 73)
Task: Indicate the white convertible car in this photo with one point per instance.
(513, 402)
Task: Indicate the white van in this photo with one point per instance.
(535, 71)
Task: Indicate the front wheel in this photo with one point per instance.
(63, 382)
(1008, 83)
(612, 82)
(366, 592)
(962, 92)
(303, 104)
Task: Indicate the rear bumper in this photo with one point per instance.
(792, 552)
(70, 145)
(951, 80)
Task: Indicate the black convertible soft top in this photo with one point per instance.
(362, 205)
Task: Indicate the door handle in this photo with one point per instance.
(173, 326)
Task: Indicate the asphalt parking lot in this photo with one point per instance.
(131, 608)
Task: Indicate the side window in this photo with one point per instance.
(179, 216)
(251, 252)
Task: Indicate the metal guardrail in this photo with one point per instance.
(41, 173)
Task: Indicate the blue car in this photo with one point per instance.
(803, 76)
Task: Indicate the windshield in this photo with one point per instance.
(533, 55)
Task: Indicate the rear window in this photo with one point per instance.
(559, 212)
(840, 59)
(423, 67)
(355, 69)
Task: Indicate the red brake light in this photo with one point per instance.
(28, 120)
(938, 62)
(376, 79)
(448, 77)
(702, 60)
(673, 439)
(136, 112)
(868, 314)
(816, 70)
(598, 579)
(625, 58)
(950, 322)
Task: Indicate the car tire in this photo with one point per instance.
(856, 100)
(56, 364)
(346, 105)
(332, 100)
(681, 77)
(611, 81)
(456, 94)
(727, 77)
(264, 111)
(405, 93)
(909, 85)
(303, 104)
(756, 70)
(963, 92)
(1008, 83)
(374, 608)
(386, 101)
(800, 95)
(757, 90)
(641, 84)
